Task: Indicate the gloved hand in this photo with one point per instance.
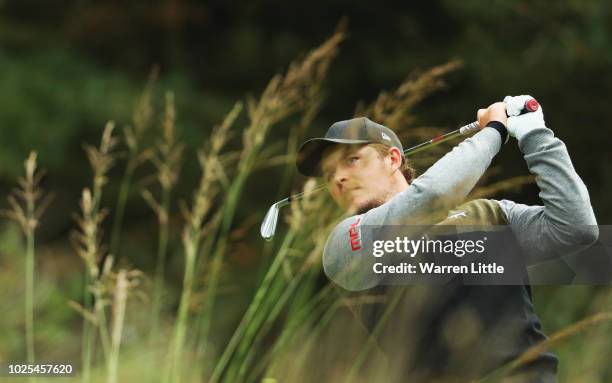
(518, 126)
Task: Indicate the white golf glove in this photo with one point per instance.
(518, 126)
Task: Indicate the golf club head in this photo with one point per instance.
(268, 226)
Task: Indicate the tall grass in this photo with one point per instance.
(296, 325)
(103, 287)
(87, 243)
(28, 203)
(166, 159)
(283, 96)
(286, 279)
(530, 354)
(212, 170)
(124, 282)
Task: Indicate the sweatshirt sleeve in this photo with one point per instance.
(565, 223)
(426, 201)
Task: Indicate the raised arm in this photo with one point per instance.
(566, 222)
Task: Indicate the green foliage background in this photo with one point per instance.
(67, 67)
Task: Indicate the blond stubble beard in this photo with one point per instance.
(377, 201)
(373, 203)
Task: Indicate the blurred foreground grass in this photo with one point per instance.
(213, 302)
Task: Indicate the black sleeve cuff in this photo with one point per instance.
(501, 129)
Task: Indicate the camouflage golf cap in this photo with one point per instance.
(349, 132)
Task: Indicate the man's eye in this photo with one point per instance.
(352, 160)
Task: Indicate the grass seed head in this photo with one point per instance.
(28, 202)
(142, 114)
(102, 159)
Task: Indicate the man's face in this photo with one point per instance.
(359, 179)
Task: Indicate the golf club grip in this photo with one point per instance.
(531, 105)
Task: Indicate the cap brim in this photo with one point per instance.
(311, 152)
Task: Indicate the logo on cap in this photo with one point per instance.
(385, 137)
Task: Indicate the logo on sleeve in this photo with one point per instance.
(354, 235)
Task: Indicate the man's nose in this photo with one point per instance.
(340, 178)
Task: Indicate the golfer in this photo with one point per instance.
(369, 178)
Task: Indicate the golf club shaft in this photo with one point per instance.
(442, 138)
(469, 128)
(268, 226)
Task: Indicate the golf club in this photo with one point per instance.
(268, 226)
